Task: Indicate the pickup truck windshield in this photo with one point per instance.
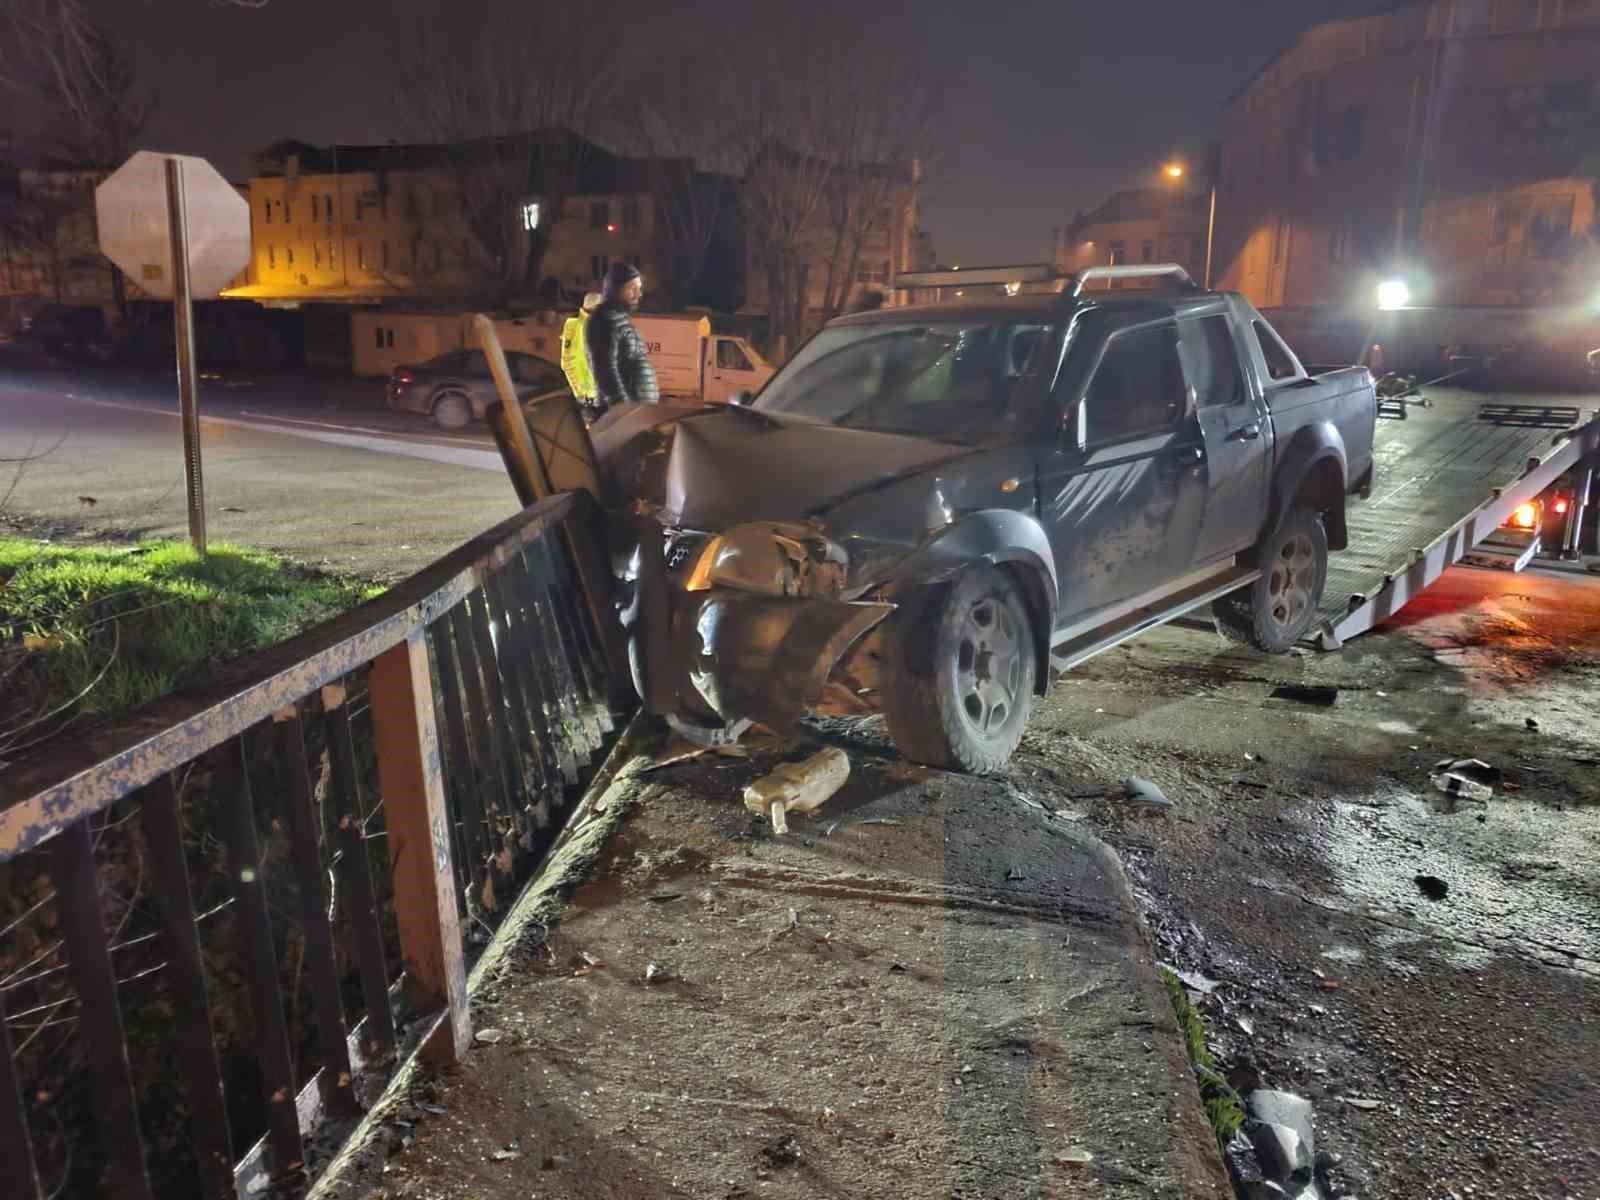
(956, 381)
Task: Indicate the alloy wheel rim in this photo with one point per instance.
(1291, 582)
(988, 666)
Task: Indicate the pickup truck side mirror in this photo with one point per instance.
(741, 397)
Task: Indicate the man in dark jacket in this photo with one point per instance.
(622, 368)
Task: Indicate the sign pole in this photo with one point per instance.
(188, 377)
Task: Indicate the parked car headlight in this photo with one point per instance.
(774, 560)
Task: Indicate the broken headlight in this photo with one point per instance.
(774, 560)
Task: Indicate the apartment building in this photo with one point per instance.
(1449, 143)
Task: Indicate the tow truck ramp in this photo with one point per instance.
(1447, 478)
(1449, 474)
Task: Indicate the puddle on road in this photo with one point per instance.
(1377, 852)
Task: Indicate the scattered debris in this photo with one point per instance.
(1246, 1026)
(1074, 1158)
(1317, 694)
(1279, 1133)
(1015, 873)
(489, 1037)
(505, 1155)
(798, 787)
(1145, 791)
(782, 1151)
(656, 973)
(1531, 724)
(1433, 887)
(1364, 1104)
(1193, 980)
(1469, 779)
(681, 751)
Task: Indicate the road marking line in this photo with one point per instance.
(433, 439)
(478, 460)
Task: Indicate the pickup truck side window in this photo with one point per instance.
(1279, 364)
(1138, 388)
(1213, 363)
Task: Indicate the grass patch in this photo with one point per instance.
(94, 631)
(1224, 1106)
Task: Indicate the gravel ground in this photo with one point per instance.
(1451, 1046)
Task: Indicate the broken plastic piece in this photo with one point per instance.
(797, 787)
(1458, 786)
(1143, 789)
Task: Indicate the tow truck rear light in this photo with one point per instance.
(1526, 516)
(1560, 506)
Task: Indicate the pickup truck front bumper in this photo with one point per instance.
(743, 656)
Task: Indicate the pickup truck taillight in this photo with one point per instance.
(404, 377)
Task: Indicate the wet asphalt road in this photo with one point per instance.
(309, 468)
(1451, 1046)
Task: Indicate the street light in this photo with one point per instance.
(1176, 170)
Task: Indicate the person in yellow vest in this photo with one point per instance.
(575, 352)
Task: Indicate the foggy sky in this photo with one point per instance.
(1053, 103)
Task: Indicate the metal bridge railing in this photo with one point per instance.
(347, 811)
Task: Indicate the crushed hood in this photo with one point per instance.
(729, 468)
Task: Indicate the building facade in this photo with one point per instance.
(1141, 225)
(49, 242)
(1453, 144)
(375, 224)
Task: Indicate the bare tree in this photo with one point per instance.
(506, 94)
(75, 94)
(827, 122)
(677, 120)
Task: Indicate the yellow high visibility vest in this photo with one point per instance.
(575, 357)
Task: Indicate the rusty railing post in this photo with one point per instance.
(418, 825)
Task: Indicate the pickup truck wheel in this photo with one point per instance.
(452, 410)
(962, 666)
(1274, 612)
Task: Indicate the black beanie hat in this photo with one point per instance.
(618, 276)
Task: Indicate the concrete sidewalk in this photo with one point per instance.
(930, 988)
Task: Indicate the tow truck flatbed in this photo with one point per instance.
(1447, 476)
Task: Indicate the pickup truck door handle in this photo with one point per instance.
(1246, 433)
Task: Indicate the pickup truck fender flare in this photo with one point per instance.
(1004, 538)
(1313, 468)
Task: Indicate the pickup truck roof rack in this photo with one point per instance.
(979, 276)
(1141, 271)
(1071, 284)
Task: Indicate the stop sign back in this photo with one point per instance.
(135, 233)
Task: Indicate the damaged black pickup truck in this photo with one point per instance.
(929, 508)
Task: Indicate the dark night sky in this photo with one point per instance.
(1053, 103)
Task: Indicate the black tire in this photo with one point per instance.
(452, 410)
(962, 666)
(1277, 610)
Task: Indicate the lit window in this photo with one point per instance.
(272, 256)
(327, 204)
(530, 217)
(316, 254)
(315, 216)
(361, 256)
(288, 255)
(267, 204)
